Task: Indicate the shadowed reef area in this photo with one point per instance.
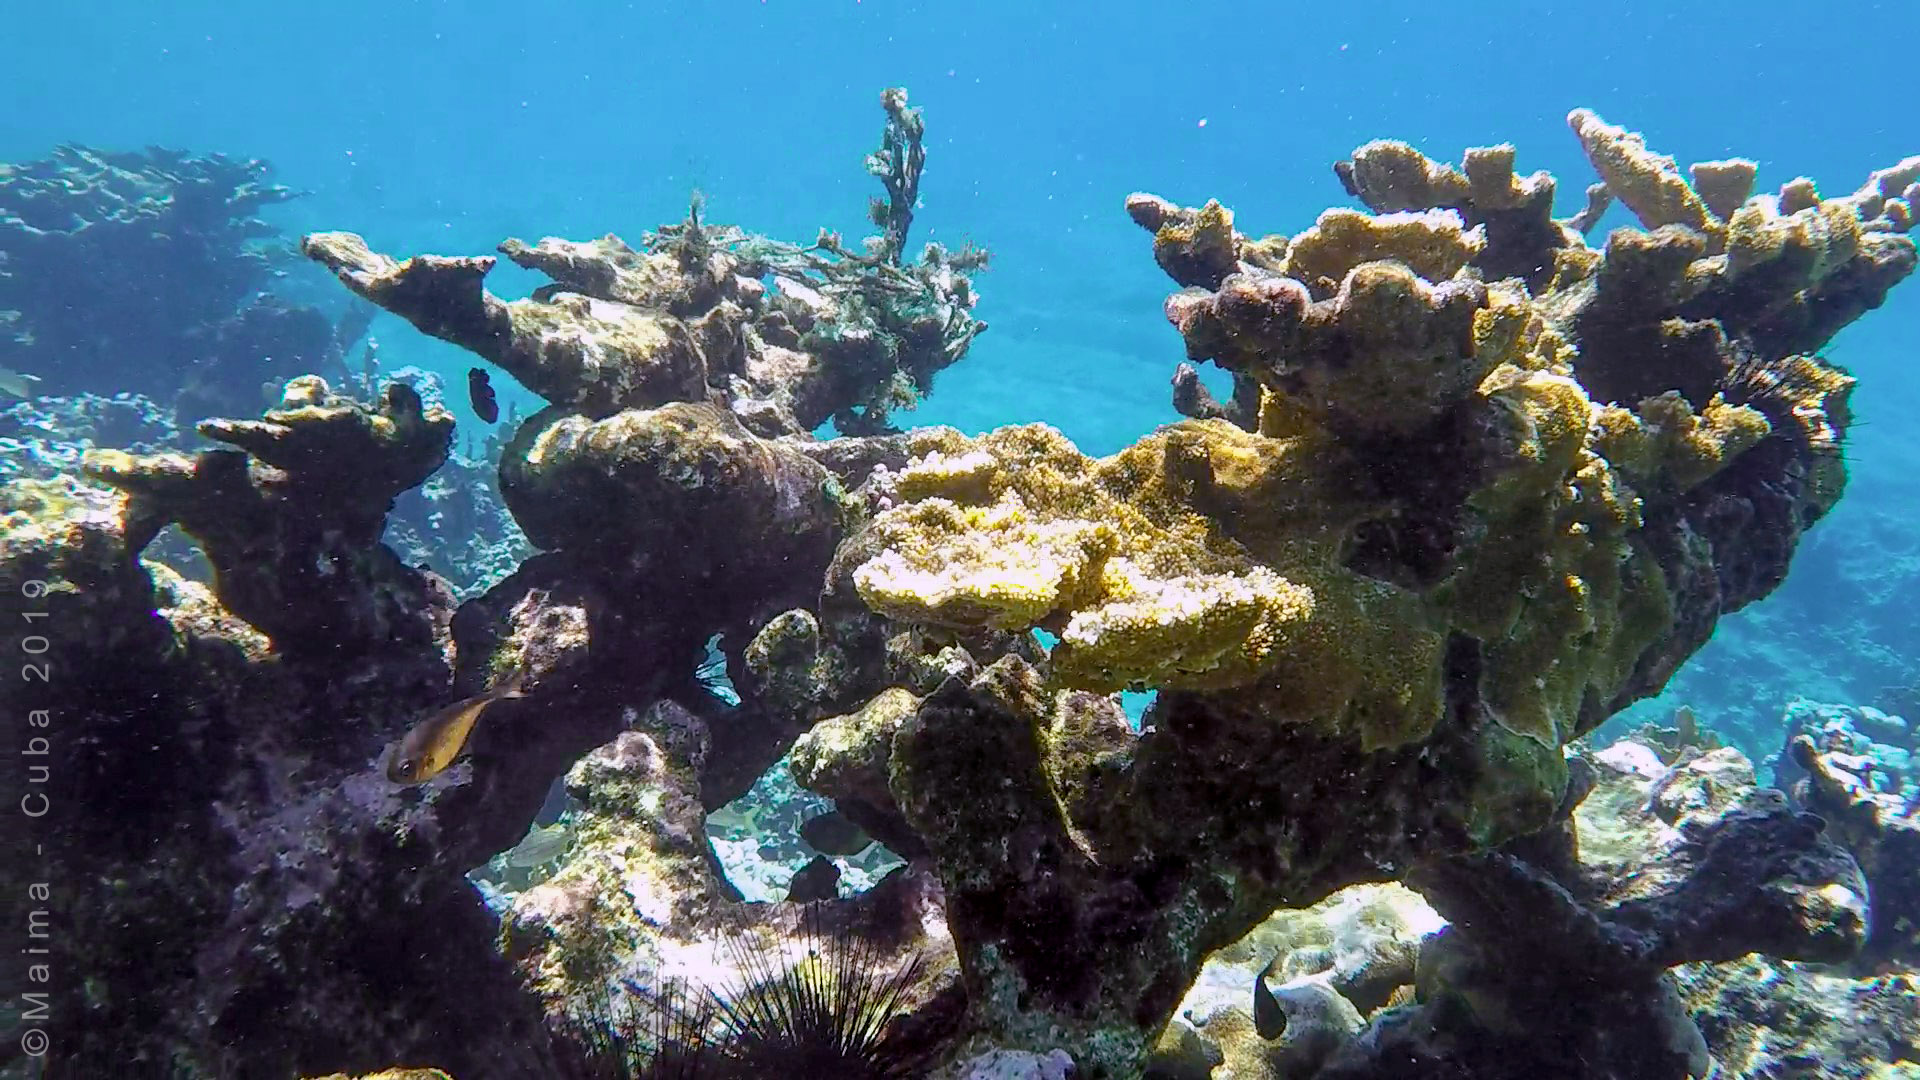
(1483, 481)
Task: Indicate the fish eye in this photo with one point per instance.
(408, 766)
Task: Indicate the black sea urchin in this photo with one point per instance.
(826, 1015)
(650, 1035)
(1803, 397)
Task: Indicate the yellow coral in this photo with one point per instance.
(1205, 238)
(1620, 437)
(1434, 244)
(1724, 185)
(953, 565)
(834, 750)
(1551, 414)
(1823, 237)
(1207, 557)
(1510, 328)
(965, 477)
(1809, 399)
(1224, 569)
(1694, 447)
(1551, 591)
(1395, 176)
(1282, 417)
(1649, 184)
(1190, 630)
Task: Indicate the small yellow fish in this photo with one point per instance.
(432, 744)
(17, 383)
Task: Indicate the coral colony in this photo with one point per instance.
(1481, 483)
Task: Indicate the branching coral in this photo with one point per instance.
(841, 336)
(1491, 498)
(291, 520)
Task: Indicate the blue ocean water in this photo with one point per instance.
(444, 128)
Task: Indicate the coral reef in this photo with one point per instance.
(1480, 487)
(454, 523)
(1351, 954)
(1552, 961)
(172, 245)
(1849, 780)
(292, 868)
(1767, 1018)
(50, 435)
(1840, 629)
(272, 876)
(457, 523)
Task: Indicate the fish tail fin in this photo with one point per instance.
(513, 685)
(1267, 972)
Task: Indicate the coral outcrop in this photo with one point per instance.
(316, 881)
(1867, 806)
(456, 522)
(1765, 1018)
(291, 518)
(273, 904)
(1556, 948)
(1332, 965)
(1628, 453)
(841, 336)
(1555, 952)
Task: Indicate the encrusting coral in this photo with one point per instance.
(1480, 486)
